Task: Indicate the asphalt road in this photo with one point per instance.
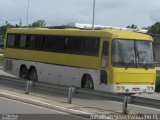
(11, 108)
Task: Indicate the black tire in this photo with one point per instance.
(88, 82)
(23, 72)
(33, 75)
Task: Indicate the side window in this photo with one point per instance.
(61, 43)
(39, 41)
(73, 44)
(23, 41)
(55, 43)
(30, 42)
(17, 41)
(48, 44)
(10, 40)
(105, 53)
(92, 46)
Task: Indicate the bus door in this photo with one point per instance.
(104, 63)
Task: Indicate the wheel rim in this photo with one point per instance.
(23, 73)
(88, 83)
(33, 75)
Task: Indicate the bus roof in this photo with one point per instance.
(105, 33)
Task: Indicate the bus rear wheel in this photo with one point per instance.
(88, 82)
(23, 72)
(33, 75)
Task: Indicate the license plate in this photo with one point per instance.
(135, 89)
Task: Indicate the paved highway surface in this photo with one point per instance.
(28, 112)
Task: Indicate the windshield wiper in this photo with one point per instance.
(145, 66)
(148, 65)
(131, 62)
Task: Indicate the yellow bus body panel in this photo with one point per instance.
(134, 76)
(54, 58)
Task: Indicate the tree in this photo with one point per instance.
(4, 28)
(132, 26)
(39, 23)
(146, 28)
(155, 28)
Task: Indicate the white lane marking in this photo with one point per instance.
(44, 103)
(44, 108)
(32, 105)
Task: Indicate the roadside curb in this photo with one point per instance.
(46, 105)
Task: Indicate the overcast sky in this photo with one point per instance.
(117, 13)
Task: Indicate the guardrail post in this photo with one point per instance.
(28, 86)
(125, 103)
(70, 91)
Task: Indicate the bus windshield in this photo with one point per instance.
(132, 54)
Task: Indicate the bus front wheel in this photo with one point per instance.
(88, 82)
(33, 75)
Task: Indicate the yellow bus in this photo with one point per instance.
(105, 59)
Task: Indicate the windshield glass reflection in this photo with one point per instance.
(132, 53)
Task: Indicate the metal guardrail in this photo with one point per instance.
(148, 102)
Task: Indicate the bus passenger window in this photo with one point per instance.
(22, 41)
(61, 45)
(39, 41)
(48, 44)
(92, 46)
(10, 40)
(17, 41)
(74, 44)
(30, 43)
(105, 53)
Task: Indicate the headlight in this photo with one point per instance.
(120, 88)
(117, 87)
(150, 88)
